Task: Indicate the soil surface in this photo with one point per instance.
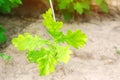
(98, 60)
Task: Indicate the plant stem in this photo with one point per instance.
(53, 13)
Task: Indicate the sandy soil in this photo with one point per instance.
(97, 61)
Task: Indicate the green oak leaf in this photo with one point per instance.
(63, 53)
(48, 58)
(76, 38)
(46, 66)
(28, 42)
(49, 22)
(33, 55)
(57, 36)
(45, 59)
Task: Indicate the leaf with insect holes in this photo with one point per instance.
(76, 38)
(28, 42)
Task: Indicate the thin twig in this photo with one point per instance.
(51, 5)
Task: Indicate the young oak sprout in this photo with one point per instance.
(48, 53)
